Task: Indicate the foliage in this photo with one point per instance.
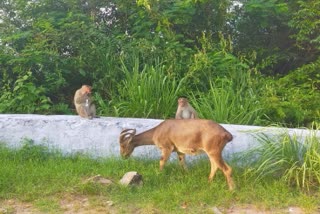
(306, 175)
(227, 88)
(43, 178)
(306, 22)
(23, 97)
(226, 103)
(214, 61)
(261, 28)
(29, 151)
(293, 99)
(55, 49)
(150, 92)
(104, 107)
(64, 44)
(61, 108)
(295, 159)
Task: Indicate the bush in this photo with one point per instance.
(148, 93)
(287, 158)
(227, 102)
(293, 100)
(23, 97)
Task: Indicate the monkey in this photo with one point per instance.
(83, 102)
(185, 110)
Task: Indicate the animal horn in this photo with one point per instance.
(125, 133)
(127, 130)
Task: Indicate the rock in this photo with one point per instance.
(99, 179)
(215, 210)
(3, 210)
(295, 210)
(110, 203)
(131, 178)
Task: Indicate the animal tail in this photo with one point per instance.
(228, 136)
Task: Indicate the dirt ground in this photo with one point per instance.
(71, 204)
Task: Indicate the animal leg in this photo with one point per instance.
(228, 175)
(165, 154)
(83, 112)
(226, 169)
(182, 160)
(93, 111)
(214, 168)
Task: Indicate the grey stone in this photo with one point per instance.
(131, 178)
(100, 180)
(215, 210)
(110, 203)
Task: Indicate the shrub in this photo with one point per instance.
(149, 92)
(287, 158)
(23, 97)
(228, 103)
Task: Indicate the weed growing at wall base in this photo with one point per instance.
(293, 159)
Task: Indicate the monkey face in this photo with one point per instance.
(182, 102)
(86, 89)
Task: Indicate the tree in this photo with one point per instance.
(305, 22)
(260, 27)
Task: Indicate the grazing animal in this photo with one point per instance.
(189, 136)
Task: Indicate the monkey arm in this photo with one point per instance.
(194, 114)
(79, 98)
(179, 114)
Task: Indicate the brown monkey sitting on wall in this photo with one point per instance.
(185, 110)
(83, 102)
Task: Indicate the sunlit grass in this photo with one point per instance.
(290, 158)
(147, 92)
(226, 103)
(42, 177)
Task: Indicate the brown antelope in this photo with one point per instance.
(189, 136)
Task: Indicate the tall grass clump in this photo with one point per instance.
(228, 103)
(147, 91)
(306, 174)
(287, 158)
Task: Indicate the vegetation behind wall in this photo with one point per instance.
(262, 57)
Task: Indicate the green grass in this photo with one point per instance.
(148, 92)
(226, 103)
(42, 177)
(286, 158)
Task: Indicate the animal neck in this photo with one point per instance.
(144, 138)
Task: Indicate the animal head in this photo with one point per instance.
(86, 89)
(125, 140)
(182, 101)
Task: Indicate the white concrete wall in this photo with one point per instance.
(99, 137)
